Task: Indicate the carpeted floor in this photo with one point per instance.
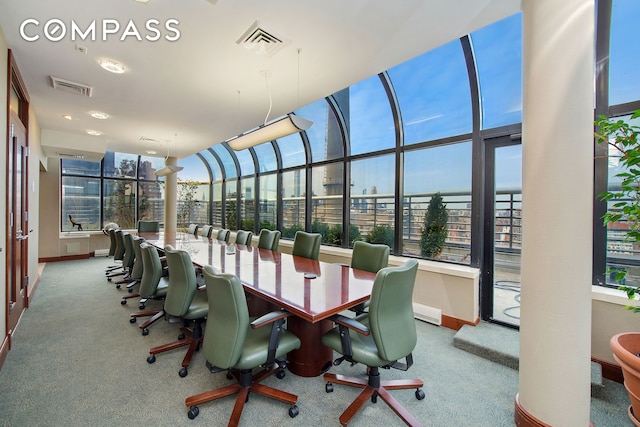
(76, 360)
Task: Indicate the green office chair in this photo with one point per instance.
(269, 239)
(148, 226)
(244, 237)
(135, 274)
(112, 240)
(153, 286)
(379, 339)
(127, 261)
(307, 245)
(206, 231)
(368, 257)
(184, 301)
(118, 254)
(193, 229)
(236, 343)
(223, 235)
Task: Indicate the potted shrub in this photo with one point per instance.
(434, 228)
(623, 139)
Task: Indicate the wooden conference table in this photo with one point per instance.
(312, 290)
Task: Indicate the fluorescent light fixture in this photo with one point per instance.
(111, 65)
(68, 117)
(94, 132)
(99, 115)
(275, 129)
(168, 170)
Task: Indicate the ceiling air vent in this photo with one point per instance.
(262, 41)
(71, 156)
(71, 87)
(145, 139)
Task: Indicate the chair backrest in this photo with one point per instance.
(391, 319)
(182, 282)
(193, 229)
(148, 226)
(269, 239)
(136, 270)
(129, 251)
(223, 235)
(206, 231)
(119, 254)
(369, 256)
(112, 239)
(228, 319)
(151, 271)
(307, 245)
(244, 237)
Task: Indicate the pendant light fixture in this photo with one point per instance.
(277, 128)
(169, 169)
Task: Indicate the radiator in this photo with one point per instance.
(101, 252)
(427, 314)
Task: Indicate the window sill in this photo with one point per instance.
(613, 296)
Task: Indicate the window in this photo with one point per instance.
(81, 200)
(624, 52)
(326, 202)
(231, 205)
(369, 117)
(293, 202)
(247, 203)
(445, 170)
(498, 52)
(325, 137)
(292, 150)
(372, 201)
(268, 201)
(433, 94)
(120, 201)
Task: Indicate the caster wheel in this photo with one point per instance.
(229, 376)
(183, 372)
(117, 286)
(328, 387)
(145, 332)
(141, 306)
(419, 394)
(374, 398)
(294, 411)
(130, 290)
(108, 279)
(181, 336)
(123, 302)
(193, 412)
(280, 374)
(151, 358)
(132, 320)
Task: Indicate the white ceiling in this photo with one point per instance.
(204, 88)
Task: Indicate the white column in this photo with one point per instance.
(171, 198)
(557, 143)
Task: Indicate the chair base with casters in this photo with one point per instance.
(154, 316)
(188, 337)
(247, 383)
(372, 388)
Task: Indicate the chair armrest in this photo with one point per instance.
(269, 318)
(350, 323)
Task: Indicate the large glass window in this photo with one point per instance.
(292, 151)
(217, 204)
(498, 53)
(80, 167)
(326, 202)
(624, 52)
(149, 166)
(247, 203)
(372, 201)
(151, 203)
(268, 201)
(433, 94)
(443, 171)
(231, 205)
(120, 202)
(325, 137)
(81, 200)
(227, 161)
(246, 162)
(293, 202)
(120, 165)
(266, 157)
(369, 118)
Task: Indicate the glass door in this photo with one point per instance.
(501, 280)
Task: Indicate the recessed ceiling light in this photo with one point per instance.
(141, 1)
(99, 115)
(94, 132)
(151, 151)
(67, 116)
(111, 65)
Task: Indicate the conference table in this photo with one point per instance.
(312, 290)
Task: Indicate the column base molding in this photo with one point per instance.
(523, 418)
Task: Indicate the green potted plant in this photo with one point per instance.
(434, 228)
(623, 140)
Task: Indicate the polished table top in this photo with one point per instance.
(313, 290)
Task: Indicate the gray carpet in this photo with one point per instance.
(76, 360)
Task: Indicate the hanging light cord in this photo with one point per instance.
(266, 80)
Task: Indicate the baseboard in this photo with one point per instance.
(65, 258)
(455, 323)
(610, 370)
(4, 349)
(31, 290)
